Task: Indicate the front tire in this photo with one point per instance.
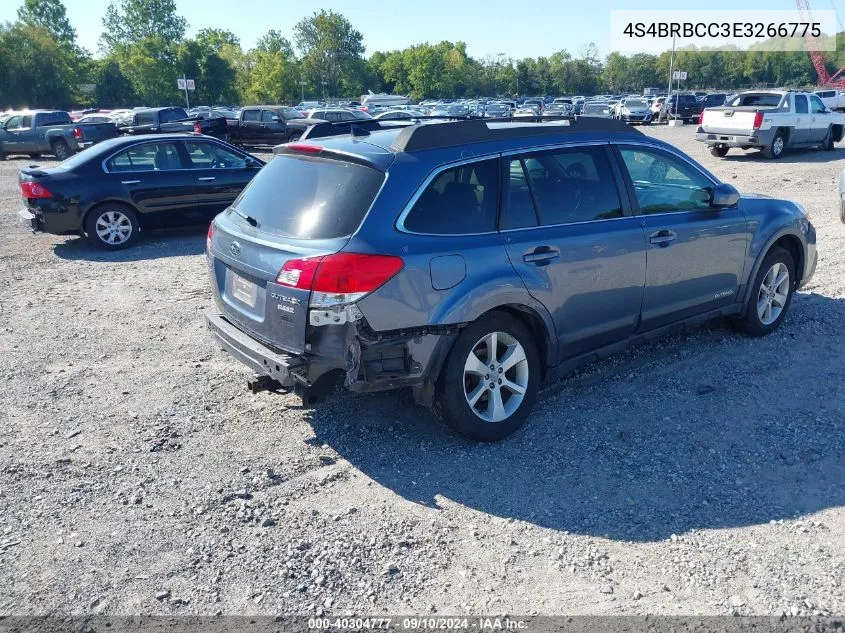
(491, 378)
(111, 227)
(771, 294)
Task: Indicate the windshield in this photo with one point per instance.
(309, 197)
(595, 109)
(635, 104)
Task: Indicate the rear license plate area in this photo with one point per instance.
(244, 290)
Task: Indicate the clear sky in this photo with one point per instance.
(515, 28)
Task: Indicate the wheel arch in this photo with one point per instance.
(838, 131)
(537, 321)
(786, 239)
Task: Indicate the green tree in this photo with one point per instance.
(332, 51)
(49, 15)
(36, 70)
(216, 40)
(616, 73)
(133, 21)
(113, 88)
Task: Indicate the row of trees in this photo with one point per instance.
(143, 49)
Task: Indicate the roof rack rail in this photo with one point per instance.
(335, 128)
(418, 138)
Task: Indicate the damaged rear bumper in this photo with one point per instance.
(368, 360)
(258, 357)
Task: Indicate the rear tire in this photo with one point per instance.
(112, 227)
(771, 294)
(60, 150)
(777, 146)
(719, 151)
(485, 403)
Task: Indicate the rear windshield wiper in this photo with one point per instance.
(252, 221)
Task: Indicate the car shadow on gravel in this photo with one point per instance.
(150, 245)
(724, 432)
(808, 155)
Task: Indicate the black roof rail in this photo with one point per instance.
(335, 128)
(417, 138)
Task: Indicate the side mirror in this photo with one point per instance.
(724, 195)
(251, 162)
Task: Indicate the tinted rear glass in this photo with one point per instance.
(307, 197)
(756, 99)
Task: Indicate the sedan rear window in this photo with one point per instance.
(309, 197)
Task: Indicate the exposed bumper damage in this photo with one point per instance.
(367, 360)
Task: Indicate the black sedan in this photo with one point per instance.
(113, 190)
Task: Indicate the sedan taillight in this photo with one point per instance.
(32, 190)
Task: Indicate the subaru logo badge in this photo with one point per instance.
(235, 249)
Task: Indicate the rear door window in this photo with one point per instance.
(309, 197)
(252, 115)
(800, 104)
(147, 157)
(459, 201)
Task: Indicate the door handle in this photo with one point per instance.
(662, 237)
(129, 182)
(541, 255)
(204, 178)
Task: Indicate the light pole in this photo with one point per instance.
(498, 65)
(324, 91)
(302, 84)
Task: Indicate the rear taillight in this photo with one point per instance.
(701, 117)
(341, 278)
(758, 120)
(208, 237)
(197, 128)
(31, 190)
(77, 133)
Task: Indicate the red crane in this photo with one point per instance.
(817, 56)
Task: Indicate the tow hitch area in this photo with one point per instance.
(258, 383)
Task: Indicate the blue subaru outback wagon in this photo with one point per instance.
(473, 260)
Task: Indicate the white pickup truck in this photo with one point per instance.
(771, 120)
(832, 99)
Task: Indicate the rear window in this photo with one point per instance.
(176, 114)
(307, 197)
(459, 201)
(54, 118)
(756, 99)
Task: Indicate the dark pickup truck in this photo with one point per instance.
(686, 107)
(171, 120)
(268, 125)
(39, 132)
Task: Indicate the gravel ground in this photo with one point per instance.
(702, 474)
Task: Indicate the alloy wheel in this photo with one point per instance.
(113, 227)
(773, 293)
(495, 376)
